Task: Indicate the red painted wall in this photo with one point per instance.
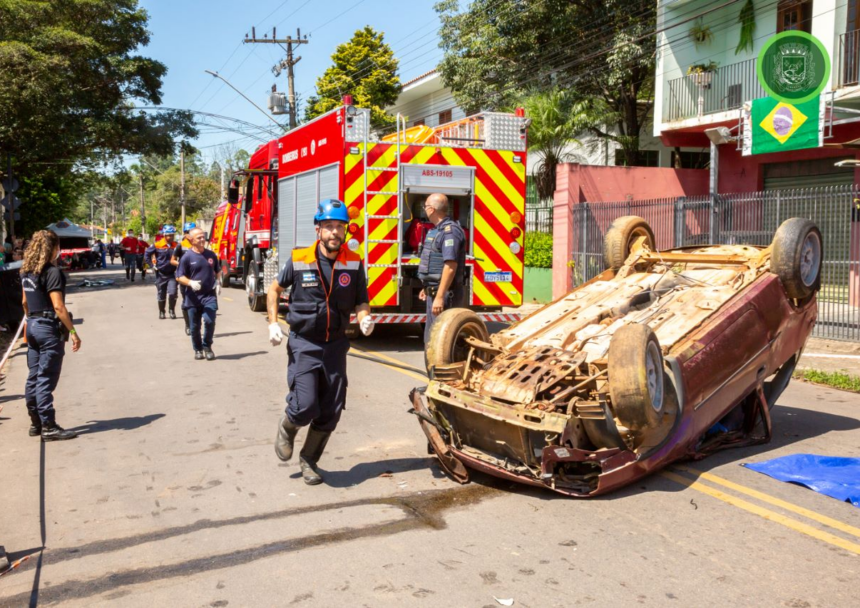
(740, 173)
(590, 184)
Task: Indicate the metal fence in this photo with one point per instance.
(748, 218)
(538, 212)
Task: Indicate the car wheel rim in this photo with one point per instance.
(810, 259)
(654, 376)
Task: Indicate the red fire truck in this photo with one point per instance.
(223, 240)
(478, 162)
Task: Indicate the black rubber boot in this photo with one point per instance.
(171, 304)
(313, 448)
(285, 439)
(187, 326)
(54, 432)
(161, 306)
(35, 424)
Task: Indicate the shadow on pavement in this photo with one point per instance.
(237, 356)
(117, 424)
(7, 398)
(366, 471)
(233, 333)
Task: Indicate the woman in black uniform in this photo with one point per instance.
(49, 325)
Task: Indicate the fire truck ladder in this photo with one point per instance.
(397, 216)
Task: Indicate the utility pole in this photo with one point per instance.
(287, 63)
(142, 208)
(223, 189)
(182, 184)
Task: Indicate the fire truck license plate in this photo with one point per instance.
(498, 277)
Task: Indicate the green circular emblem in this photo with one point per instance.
(793, 67)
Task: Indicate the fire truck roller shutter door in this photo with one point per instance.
(286, 219)
(311, 188)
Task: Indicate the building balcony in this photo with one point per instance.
(849, 59)
(726, 88)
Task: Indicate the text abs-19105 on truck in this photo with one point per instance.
(478, 162)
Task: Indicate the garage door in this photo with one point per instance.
(807, 174)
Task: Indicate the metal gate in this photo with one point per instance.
(745, 218)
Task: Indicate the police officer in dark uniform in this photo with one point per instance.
(443, 262)
(327, 283)
(49, 325)
(160, 255)
(185, 245)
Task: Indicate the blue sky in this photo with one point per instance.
(190, 36)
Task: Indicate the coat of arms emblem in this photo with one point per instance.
(793, 68)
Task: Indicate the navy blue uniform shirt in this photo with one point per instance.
(203, 267)
(37, 288)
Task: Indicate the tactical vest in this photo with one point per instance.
(319, 312)
(431, 264)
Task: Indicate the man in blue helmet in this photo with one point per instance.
(160, 255)
(328, 284)
(185, 245)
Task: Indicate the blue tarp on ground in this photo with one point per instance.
(829, 475)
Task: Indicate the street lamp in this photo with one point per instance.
(217, 75)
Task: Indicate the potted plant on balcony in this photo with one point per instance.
(701, 33)
(702, 73)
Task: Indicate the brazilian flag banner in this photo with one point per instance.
(776, 126)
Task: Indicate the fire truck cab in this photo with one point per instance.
(478, 162)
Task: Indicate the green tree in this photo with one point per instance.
(364, 67)
(495, 50)
(555, 121)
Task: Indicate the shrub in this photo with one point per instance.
(538, 250)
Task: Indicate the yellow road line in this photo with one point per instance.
(773, 516)
(380, 355)
(393, 360)
(822, 519)
(226, 298)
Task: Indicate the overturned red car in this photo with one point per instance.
(666, 355)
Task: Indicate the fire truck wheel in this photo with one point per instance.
(624, 235)
(256, 301)
(446, 344)
(225, 278)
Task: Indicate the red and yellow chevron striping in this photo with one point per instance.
(499, 208)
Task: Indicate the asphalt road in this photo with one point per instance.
(172, 495)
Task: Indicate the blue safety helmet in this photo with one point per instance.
(331, 209)
(189, 226)
(168, 229)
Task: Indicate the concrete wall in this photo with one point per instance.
(576, 184)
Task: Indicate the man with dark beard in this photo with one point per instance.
(328, 283)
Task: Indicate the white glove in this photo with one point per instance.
(276, 336)
(217, 289)
(366, 326)
(195, 285)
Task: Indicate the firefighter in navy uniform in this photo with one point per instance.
(443, 262)
(160, 255)
(328, 283)
(185, 245)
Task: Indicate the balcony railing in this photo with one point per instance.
(730, 86)
(849, 59)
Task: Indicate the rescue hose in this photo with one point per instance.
(408, 368)
(12, 345)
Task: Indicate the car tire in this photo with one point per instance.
(224, 277)
(256, 302)
(798, 252)
(622, 236)
(636, 382)
(446, 336)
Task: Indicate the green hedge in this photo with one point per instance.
(538, 250)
